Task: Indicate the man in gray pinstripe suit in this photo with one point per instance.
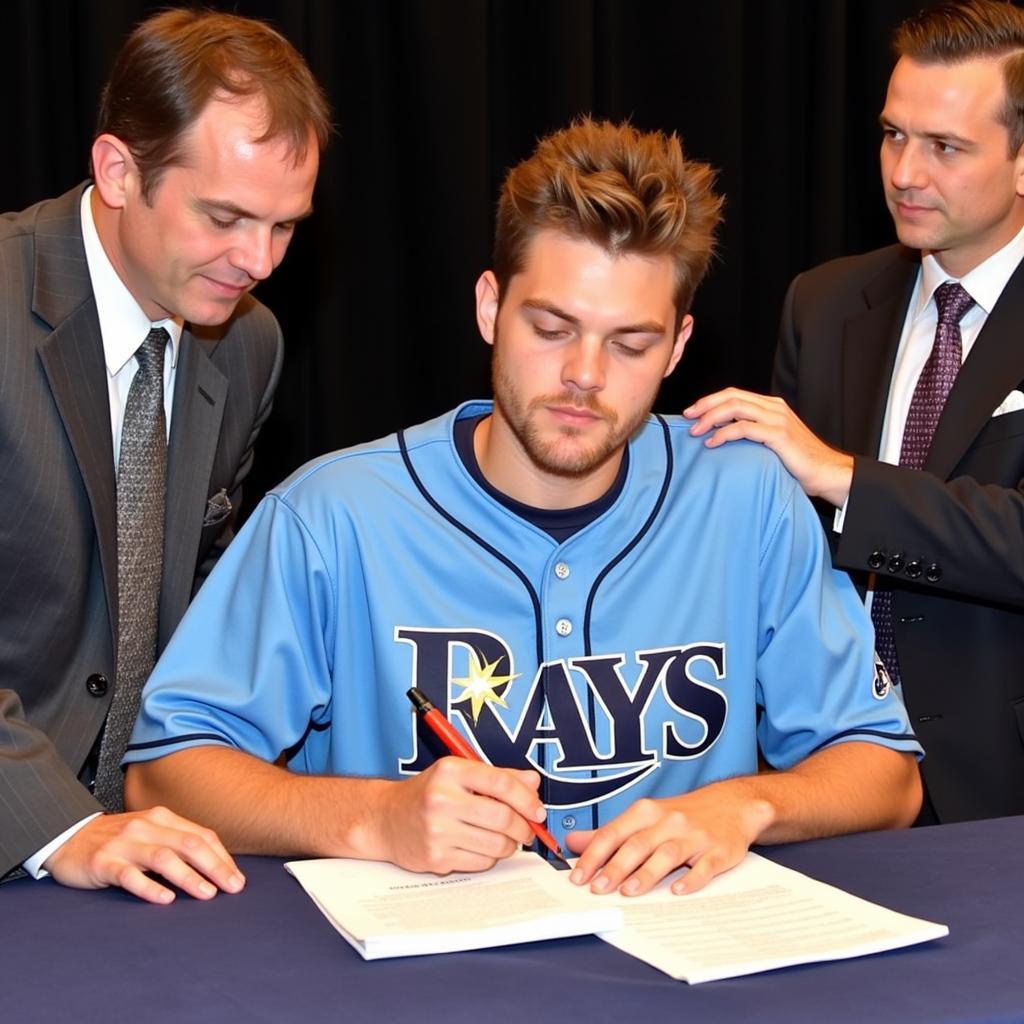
(205, 157)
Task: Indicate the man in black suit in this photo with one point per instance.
(939, 547)
(205, 157)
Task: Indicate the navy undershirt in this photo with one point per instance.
(559, 523)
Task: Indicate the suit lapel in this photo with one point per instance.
(200, 391)
(993, 368)
(72, 358)
(870, 341)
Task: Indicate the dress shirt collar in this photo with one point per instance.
(985, 283)
(123, 325)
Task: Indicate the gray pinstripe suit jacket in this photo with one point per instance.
(58, 557)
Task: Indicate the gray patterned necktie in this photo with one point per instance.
(141, 488)
(926, 404)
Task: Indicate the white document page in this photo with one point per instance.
(757, 917)
(385, 911)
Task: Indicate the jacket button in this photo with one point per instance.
(876, 559)
(914, 569)
(896, 562)
(933, 573)
(97, 684)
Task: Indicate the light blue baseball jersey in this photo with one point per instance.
(653, 652)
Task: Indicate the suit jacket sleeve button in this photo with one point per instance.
(914, 569)
(876, 560)
(97, 684)
(933, 573)
(896, 562)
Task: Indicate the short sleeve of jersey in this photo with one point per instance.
(816, 666)
(249, 665)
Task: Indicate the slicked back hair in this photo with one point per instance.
(177, 61)
(951, 33)
(628, 191)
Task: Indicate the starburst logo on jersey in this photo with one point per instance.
(581, 722)
(478, 685)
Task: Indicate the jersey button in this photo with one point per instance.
(563, 627)
(97, 684)
(562, 571)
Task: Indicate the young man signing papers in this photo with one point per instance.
(616, 619)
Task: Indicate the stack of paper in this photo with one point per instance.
(386, 911)
(756, 917)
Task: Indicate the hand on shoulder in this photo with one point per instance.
(729, 415)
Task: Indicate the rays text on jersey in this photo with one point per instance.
(581, 722)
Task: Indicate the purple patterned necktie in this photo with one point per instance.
(930, 394)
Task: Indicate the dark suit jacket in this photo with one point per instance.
(58, 546)
(950, 539)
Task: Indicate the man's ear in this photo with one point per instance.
(1018, 161)
(487, 293)
(685, 330)
(113, 170)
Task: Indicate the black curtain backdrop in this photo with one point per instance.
(434, 100)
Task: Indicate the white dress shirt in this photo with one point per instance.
(124, 327)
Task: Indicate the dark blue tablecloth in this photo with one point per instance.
(269, 955)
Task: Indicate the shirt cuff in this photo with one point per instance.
(34, 864)
(840, 516)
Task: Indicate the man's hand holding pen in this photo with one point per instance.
(457, 815)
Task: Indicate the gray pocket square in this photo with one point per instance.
(218, 508)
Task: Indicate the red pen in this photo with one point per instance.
(453, 740)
